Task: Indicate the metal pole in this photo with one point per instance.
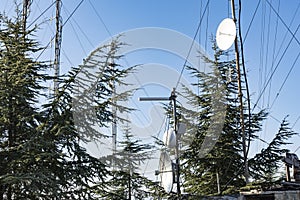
(114, 118)
(154, 98)
(25, 14)
(173, 99)
(240, 94)
(57, 45)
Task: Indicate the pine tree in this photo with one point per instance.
(41, 146)
(82, 106)
(95, 91)
(76, 171)
(126, 182)
(97, 101)
(23, 173)
(265, 165)
(214, 124)
(40, 154)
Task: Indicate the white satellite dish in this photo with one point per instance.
(166, 172)
(169, 138)
(226, 34)
(181, 128)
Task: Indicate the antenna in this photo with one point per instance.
(177, 164)
(58, 36)
(114, 114)
(226, 34)
(169, 138)
(240, 94)
(225, 37)
(26, 5)
(166, 171)
(181, 128)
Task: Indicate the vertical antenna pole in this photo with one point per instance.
(114, 102)
(57, 45)
(240, 94)
(173, 98)
(25, 14)
(114, 117)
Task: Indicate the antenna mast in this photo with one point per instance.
(58, 36)
(26, 5)
(112, 84)
(177, 159)
(240, 94)
(114, 116)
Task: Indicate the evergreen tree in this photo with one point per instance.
(41, 147)
(78, 118)
(76, 171)
(40, 154)
(265, 165)
(22, 175)
(214, 125)
(97, 99)
(97, 102)
(126, 182)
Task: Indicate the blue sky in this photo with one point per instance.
(85, 31)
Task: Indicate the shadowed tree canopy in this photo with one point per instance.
(212, 156)
(41, 150)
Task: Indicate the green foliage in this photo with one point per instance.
(77, 172)
(96, 100)
(23, 173)
(213, 146)
(126, 182)
(265, 165)
(72, 120)
(40, 145)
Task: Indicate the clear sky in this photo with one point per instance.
(269, 47)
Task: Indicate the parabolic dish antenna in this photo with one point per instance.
(169, 138)
(166, 172)
(226, 34)
(181, 128)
